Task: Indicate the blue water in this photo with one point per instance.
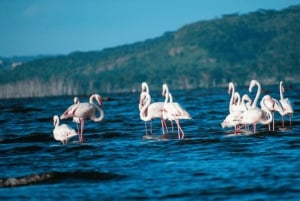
(116, 163)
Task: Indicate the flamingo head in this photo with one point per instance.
(99, 100)
(145, 87)
(76, 100)
(229, 91)
(252, 84)
(55, 120)
(230, 87)
(143, 98)
(165, 89)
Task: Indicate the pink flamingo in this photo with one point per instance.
(271, 104)
(232, 103)
(145, 107)
(84, 111)
(254, 114)
(286, 105)
(62, 132)
(148, 110)
(233, 118)
(173, 111)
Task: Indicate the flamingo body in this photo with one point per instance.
(272, 105)
(174, 111)
(84, 111)
(62, 132)
(148, 110)
(286, 105)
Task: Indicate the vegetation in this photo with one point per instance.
(263, 45)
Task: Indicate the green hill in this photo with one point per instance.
(263, 45)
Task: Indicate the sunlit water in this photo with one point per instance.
(116, 163)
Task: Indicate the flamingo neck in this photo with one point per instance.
(237, 97)
(245, 98)
(166, 94)
(101, 116)
(170, 98)
(143, 112)
(281, 90)
(269, 119)
(97, 98)
(56, 121)
(145, 87)
(257, 94)
(231, 90)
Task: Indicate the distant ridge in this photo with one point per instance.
(263, 45)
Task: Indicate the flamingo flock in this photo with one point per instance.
(79, 112)
(167, 110)
(245, 112)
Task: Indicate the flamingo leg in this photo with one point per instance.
(81, 131)
(282, 121)
(77, 128)
(146, 127)
(180, 131)
(151, 131)
(164, 126)
(273, 115)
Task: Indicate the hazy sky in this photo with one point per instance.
(31, 27)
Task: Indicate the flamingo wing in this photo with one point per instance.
(63, 132)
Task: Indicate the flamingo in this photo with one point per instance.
(271, 104)
(62, 132)
(232, 119)
(154, 108)
(148, 110)
(254, 114)
(173, 111)
(286, 105)
(84, 111)
(76, 120)
(231, 90)
(168, 98)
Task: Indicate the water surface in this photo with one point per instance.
(116, 163)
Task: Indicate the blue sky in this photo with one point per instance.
(31, 27)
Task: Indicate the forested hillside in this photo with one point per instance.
(262, 45)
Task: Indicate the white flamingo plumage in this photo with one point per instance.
(233, 118)
(286, 105)
(148, 110)
(173, 111)
(272, 105)
(84, 111)
(254, 114)
(62, 132)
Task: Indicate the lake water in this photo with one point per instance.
(116, 163)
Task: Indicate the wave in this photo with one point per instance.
(56, 177)
(33, 137)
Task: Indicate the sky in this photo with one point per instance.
(43, 27)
